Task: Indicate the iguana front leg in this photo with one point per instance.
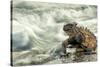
(64, 46)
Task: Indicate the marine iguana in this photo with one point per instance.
(80, 38)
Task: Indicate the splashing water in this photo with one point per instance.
(39, 25)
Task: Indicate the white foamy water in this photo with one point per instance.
(39, 25)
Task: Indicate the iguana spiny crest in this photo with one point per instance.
(79, 37)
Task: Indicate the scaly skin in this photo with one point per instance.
(80, 38)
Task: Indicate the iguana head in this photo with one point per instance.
(69, 27)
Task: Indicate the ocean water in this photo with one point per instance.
(37, 32)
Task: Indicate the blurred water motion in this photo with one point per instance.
(37, 29)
